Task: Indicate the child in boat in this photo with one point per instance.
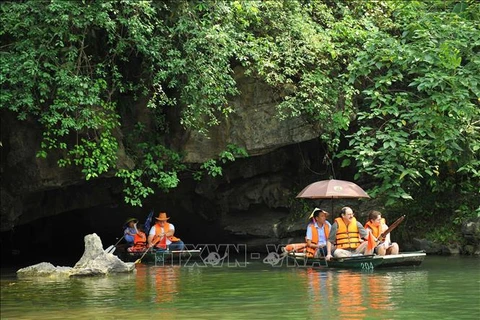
(376, 224)
(139, 241)
(130, 229)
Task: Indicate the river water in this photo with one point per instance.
(441, 288)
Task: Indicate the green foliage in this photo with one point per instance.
(444, 235)
(156, 166)
(418, 121)
(211, 166)
(399, 78)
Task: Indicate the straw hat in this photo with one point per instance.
(130, 220)
(315, 210)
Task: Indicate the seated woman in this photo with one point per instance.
(130, 229)
(376, 224)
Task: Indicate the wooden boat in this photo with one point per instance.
(161, 256)
(403, 259)
(363, 262)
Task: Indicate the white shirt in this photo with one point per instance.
(152, 231)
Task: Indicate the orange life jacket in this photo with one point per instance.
(376, 231)
(315, 237)
(347, 237)
(139, 239)
(157, 239)
(295, 247)
(139, 242)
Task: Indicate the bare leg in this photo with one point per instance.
(381, 251)
(394, 249)
(362, 248)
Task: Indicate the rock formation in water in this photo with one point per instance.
(94, 262)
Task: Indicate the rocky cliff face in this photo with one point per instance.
(251, 202)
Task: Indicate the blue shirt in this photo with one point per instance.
(322, 240)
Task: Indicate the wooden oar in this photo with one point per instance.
(164, 241)
(143, 255)
(112, 248)
(392, 226)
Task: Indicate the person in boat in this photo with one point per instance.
(130, 229)
(348, 235)
(317, 234)
(139, 240)
(161, 235)
(376, 225)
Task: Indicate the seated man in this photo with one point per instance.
(376, 224)
(347, 235)
(161, 235)
(317, 234)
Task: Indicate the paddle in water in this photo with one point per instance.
(163, 244)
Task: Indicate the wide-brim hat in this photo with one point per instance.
(130, 220)
(315, 210)
(162, 216)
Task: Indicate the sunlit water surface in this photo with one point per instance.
(441, 288)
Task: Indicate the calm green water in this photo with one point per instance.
(442, 288)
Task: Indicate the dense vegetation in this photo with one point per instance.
(398, 79)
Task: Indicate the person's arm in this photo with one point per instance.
(151, 235)
(331, 239)
(387, 242)
(329, 251)
(308, 237)
(171, 231)
(362, 231)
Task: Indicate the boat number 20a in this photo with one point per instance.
(366, 265)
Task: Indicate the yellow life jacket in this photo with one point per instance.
(348, 237)
(315, 237)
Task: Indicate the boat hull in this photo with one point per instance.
(161, 257)
(368, 262)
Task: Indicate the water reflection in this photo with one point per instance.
(352, 298)
(319, 290)
(357, 294)
(258, 291)
(379, 292)
(158, 285)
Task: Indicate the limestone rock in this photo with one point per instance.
(428, 246)
(44, 269)
(94, 262)
(253, 126)
(471, 231)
